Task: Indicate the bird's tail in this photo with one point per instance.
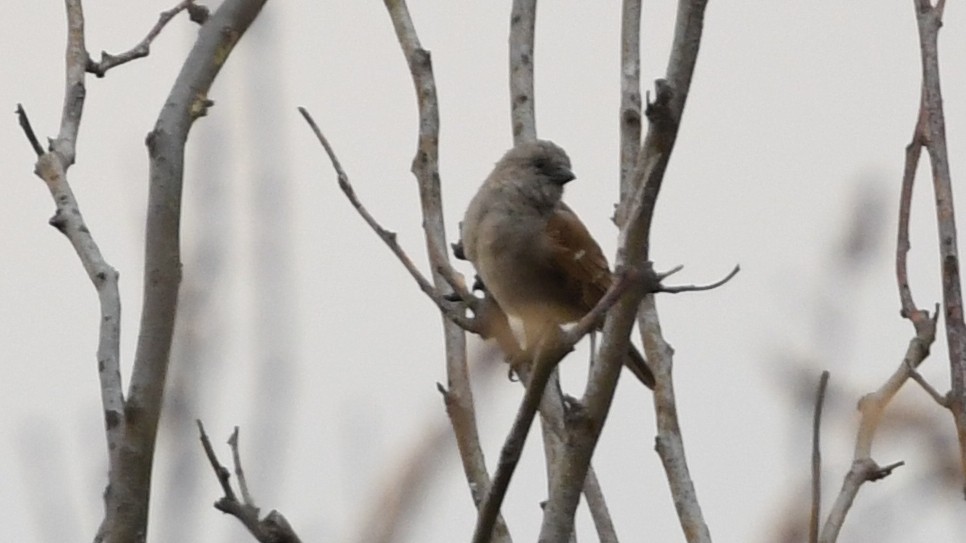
(638, 366)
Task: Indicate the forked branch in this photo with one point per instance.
(198, 14)
(274, 528)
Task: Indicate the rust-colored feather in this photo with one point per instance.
(579, 257)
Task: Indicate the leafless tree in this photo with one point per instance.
(571, 426)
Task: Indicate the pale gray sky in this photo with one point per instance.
(799, 111)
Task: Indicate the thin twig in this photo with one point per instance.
(425, 167)
(698, 288)
(221, 472)
(274, 528)
(450, 310)
(630, 112)
(28, 130)
(591, 321)
(52, 168)
(239, 472)
(943, 401)
(817, 459)
(872, 406)
(913, 152)
(143, 47)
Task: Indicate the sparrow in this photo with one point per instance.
(532, 253)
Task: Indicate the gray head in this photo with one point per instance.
(538, 169)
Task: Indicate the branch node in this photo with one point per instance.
(143, 48)
(930, 390)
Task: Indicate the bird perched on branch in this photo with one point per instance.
(532, 253)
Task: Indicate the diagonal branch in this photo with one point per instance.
(449, 309)
(65, 144)
(274, 528)
(199, 14)
(548, 353)
(459, 398)
(28, 130)
(872, 407)
(52, 167)
(70, 222)
(929, 133)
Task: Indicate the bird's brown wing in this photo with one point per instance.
(578, 257)
(586, 273)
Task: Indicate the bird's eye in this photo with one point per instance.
(540, 163)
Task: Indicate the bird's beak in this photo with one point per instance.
(562, 176)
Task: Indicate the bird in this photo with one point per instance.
(532, 253)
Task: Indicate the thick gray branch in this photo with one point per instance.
(129, 492)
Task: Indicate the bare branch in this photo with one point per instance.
(143, 47)
(929, 21)
(224, 476)
(606, 532)
(450, 310)
(669, 442)
(817, 459)
(698, 288)
(52, 168)
(70, 222)
(630, 113)
(918, 378)
(928, 132)
(591, 321)
(127, 502)
(274, 528)
(65, 144)
(239, 472)
(523, 19)
(28, 130)
(634, 218)
(425, 166)
(664, 115)
(913, 152)
(548, 353)
(872, 407)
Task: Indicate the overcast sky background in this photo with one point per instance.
(307, 334)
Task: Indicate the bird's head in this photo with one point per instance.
(539, 169)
